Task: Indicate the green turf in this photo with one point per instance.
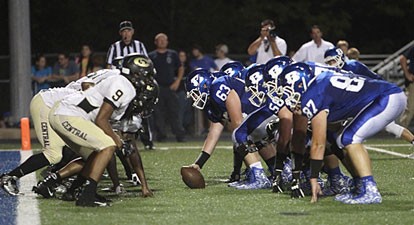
(174, 203)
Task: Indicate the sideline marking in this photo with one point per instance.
(27, 208)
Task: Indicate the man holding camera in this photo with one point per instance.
(268, 45)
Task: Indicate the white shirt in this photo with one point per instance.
(221, 62)
(263, 56)
(311, 52)
(115, 90)
(52, 95)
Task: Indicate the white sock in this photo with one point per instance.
(257, 165)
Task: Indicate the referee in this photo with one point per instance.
(122, 48)
(126, 45)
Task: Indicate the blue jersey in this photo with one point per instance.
(357, 67)
(319, 68)
(219, 90)
(256, 121)
(342, 95)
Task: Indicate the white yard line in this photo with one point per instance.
(191, 147)
(389, 152)
(27, 208)
(390, 145)
(369, 147)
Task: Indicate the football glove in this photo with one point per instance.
(271, 128)
(277, 185)
(297, 192)
(127, 148)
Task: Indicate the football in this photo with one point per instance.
(192, 177)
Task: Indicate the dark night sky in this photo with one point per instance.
(372, 26)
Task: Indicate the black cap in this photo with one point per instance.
(125, 25)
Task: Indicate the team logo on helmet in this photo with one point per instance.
(143, 62)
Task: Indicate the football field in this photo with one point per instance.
(174, 203)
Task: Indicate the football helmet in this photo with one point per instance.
(295, 80)
(336, 55)
(218, 74)
(117, 63)
(145, 99)
(198, 84)
(138, 68)
(255, 84)
(233, 69)
(273, 69)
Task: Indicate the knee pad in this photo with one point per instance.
(395, 129)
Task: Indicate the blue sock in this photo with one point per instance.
(367, 178)
(334, 171)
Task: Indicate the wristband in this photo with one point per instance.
(202, 158)
(315, 166)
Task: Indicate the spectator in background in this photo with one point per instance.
(98, 63)
(221, 53)
(169, 74)
(268, 44)
(64, 71)
(313, 50)
(185, 111)
(85, 61)
(40, 74)
(343, 45)
(353, 53)
(5, 121)
(408, 114)
(202, 61)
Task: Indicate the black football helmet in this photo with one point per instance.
(138, 68)
(117, 63)
(145, 99)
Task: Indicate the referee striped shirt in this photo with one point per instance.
(119, 48)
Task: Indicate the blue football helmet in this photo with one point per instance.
(255, 84)
(198, 84)
(335, 57)
(295, 80)
(233, 69)
(218, 74)
(273, 69)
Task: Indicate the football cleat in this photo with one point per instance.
(356, 189)
(277, 185)
(337, 184)
(86, 201)
(43, 190)
(234, 177)
(368, 195)
(247, 172)
(70, 195)
(9, 184)
(135, 179)
(258, 180)
(102, 198)
(297, 192)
